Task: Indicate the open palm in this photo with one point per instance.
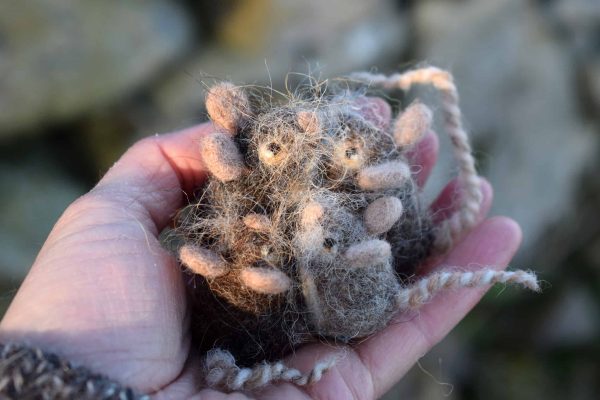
(103, 293)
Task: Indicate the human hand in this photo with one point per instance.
(103, 293)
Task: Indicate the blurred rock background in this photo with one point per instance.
(81, 81)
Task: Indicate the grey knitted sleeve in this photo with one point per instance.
(29, 373)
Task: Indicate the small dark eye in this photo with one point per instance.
(328, 243)
(351, 152)
(274, 148)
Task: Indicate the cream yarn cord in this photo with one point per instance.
(466, 216)
(222, 372)
(423, 290)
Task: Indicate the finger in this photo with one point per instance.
(156, 173)
(375, 110)
(449, 200)
(446, 204)
(423, 157)
(186, 384)
(349, 378)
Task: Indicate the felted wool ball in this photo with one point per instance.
(311, 225)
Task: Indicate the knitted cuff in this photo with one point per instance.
(29, 373)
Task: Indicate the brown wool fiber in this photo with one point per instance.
(311, 225)
(257, 222)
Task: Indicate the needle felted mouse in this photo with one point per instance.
(311, 225)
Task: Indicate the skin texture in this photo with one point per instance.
(103, 293)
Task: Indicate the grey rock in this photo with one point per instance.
(60, 58)
(591, 82)
(580, 20)
(519, 102)
(33, 194)
(323, 39)
(573, 320)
